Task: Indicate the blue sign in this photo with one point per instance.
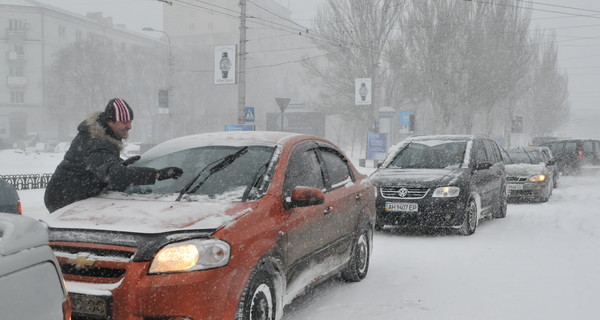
(406, 121)
(377, 146)
(239, 127)
(249, 114)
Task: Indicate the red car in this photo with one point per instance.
(255, 219)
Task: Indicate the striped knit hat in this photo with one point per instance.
(118, 110)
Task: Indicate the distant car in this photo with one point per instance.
(550, 161)
(31, 282)
(9, 198)
(449, 181)
(572, 154)
(255, 219)
(529, 177)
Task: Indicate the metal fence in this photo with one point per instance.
(28, 181)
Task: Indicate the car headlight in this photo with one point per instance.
(446, 192)
(538, 178)
(192, 255)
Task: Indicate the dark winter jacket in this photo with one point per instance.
(92, 165)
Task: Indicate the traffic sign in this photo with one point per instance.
(249, 114)
(283, 103)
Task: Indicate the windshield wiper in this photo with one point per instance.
(214, 166)
(255, 180)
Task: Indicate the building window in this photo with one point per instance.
(17, 25)
(15, 71)
(192, 27)
(17, 97)
(62, 30)
(211, 26)
(19, 49)
(78, 35)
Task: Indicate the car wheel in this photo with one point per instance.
(357, 267)
(470, 220)
(379, 226)
(502, 205)
(258, 299)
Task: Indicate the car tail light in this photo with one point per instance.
(19, 208)
(579, 153)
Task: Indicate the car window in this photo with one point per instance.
(525, 156)
(435, 154)
(588, 146)
(490, 151)
(337, 169)
(480, 155)
(570, 146)
(304, 169)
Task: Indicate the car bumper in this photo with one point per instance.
(528, 190)
(208, 294)
(432, 212)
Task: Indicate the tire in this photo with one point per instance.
(500, 211)
(470, 220)
(258, 300)
(358, 266)
(379, 226)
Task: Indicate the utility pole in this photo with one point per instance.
(242, 65)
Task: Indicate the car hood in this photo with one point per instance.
(524, 169)
(416, 177)
(146, 216)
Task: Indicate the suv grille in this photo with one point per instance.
(403, 192)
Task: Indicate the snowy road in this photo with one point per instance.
(540, 262)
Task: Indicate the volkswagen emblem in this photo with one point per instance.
(402, 192)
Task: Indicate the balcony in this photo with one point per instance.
(16, 82)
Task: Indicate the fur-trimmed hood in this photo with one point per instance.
(98, 131)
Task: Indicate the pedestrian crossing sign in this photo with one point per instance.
(249, 114)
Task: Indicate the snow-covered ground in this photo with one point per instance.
(540, 262)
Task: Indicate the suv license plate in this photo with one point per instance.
(514, 187)
(400, 206)
(84, 304)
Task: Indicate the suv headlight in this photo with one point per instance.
(192, 255)
(538, 178)
(446, 192)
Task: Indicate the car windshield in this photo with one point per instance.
(522, 156)
(430, 155)
(244, 178)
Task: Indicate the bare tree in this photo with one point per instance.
(87, 73)
(354, 35)
(463, 58)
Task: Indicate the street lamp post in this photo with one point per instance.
(169, 87)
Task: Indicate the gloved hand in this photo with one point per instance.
(168, 173)
(131, 160)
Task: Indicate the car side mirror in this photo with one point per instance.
(483, 166)
(306, 196)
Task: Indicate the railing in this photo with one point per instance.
(28, 181)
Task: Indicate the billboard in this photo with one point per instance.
(225, 64)
(362, 91)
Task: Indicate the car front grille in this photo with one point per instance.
(516, 179)
(403, 192)
(83, 262)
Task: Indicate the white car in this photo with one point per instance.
(31, 282)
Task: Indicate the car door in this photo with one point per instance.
(343, 197)
(497, 175)
(305, 227)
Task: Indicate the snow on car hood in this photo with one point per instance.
(524, 169)
(145, 216)
(429, 177)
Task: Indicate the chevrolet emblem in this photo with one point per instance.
(82, 261)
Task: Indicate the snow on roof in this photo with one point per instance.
(227, 138)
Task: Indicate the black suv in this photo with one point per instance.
(572, 154)
(441, 181)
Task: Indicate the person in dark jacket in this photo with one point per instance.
(93, 163)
